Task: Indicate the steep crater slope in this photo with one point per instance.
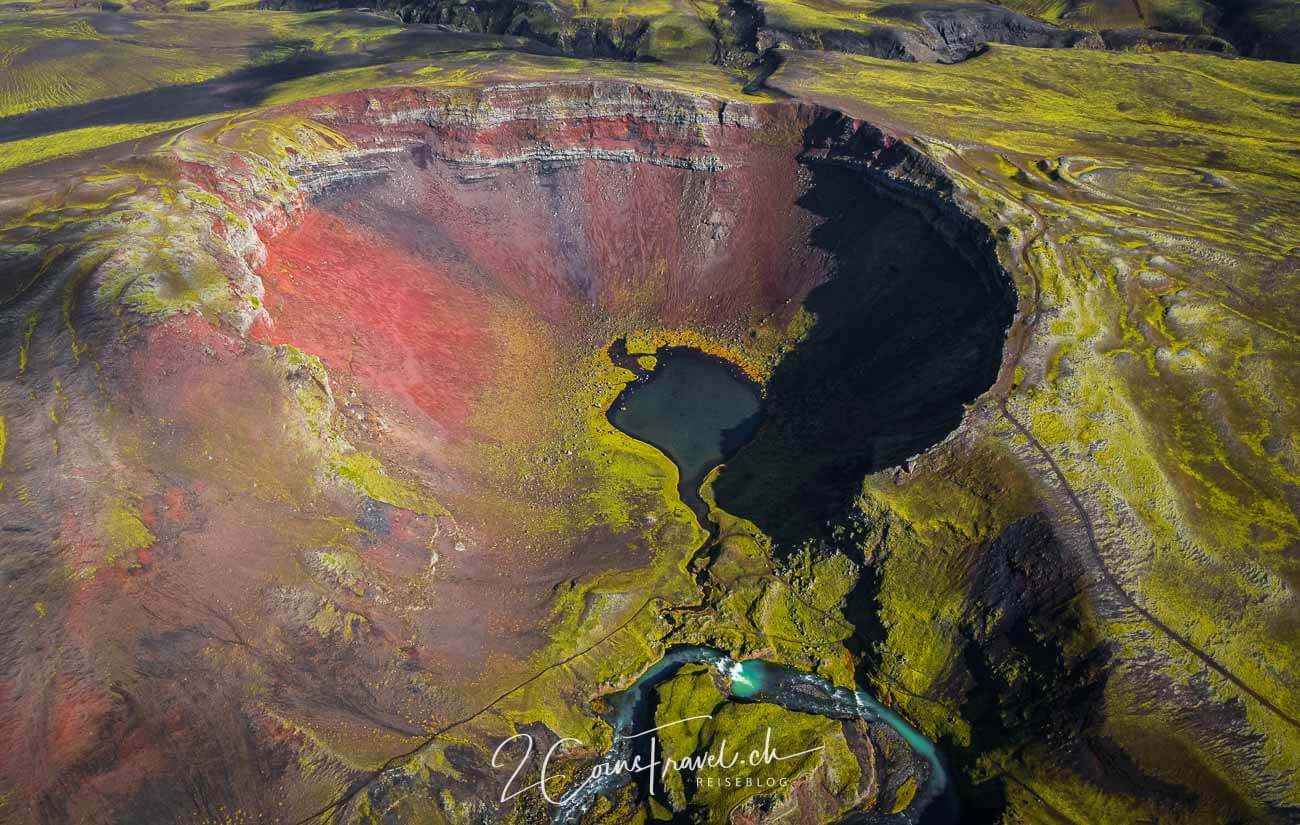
(816, 249)
(328, 429)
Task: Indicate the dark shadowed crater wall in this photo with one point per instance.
(908, 330)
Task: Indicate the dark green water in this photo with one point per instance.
(696, 408)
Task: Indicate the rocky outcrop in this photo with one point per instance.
(1264, 29)
(926, 32)
(1149, 40)
(936, 33)
(615, 38)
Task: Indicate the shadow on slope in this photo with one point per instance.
(907, 332)
(246, 87)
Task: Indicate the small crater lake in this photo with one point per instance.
(697, 408)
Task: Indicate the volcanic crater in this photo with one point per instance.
(393, 459)
(824, 254)
(470, 259)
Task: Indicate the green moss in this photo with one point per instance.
(312, 400)
(462, 70)
(813, 18)
(745, 728)
(904, 796)
(330, 621)
(991, 101)
(926, 531)
(80, 270)
(354, 747)
(29, 326)
(689, 694)
(163, 48)
(367, 475)
(121, 529)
